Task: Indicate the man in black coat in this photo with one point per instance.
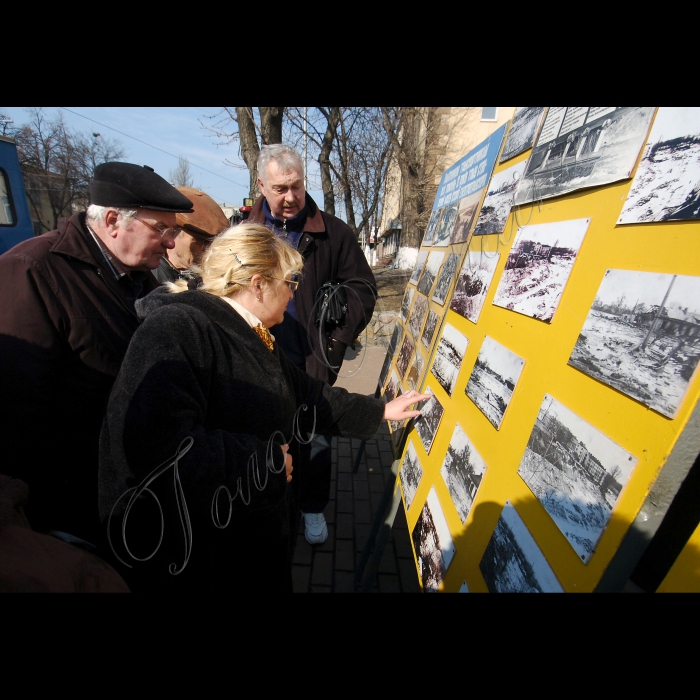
(65, 324)
(331, 253)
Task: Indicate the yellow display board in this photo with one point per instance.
(561, 451)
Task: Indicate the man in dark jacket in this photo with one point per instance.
(65, 324)
(331, 253)
(198, 228)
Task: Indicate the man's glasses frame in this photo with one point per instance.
(165, 233)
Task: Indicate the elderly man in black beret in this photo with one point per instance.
(65, 323)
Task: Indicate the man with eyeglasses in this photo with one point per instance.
(65, 324)
(196, 232)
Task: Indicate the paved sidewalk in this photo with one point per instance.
(343, 564)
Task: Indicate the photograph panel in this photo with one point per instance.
(576, 472)
(666, 186)
(392, 386)
(448, 358)
(522, 132)
(405, 355)
(512, 561)
(428, 422)
(430, 328)
(410, 474)
(420, 311)
(445, 280)
(447, 223)
(499, 200)
(430, 272)
(493, 380)
(642, 337)
(406, 304)
(420, 262)
(467, 208)
(432, 226)
(581, 147)
(433, 544)
(473, 284)
(539, 266)
(415, 373)
(462, 470)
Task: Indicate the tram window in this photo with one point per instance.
(7, 217)
(488, 114)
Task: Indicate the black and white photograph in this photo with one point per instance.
(576, 473)
(666, 186)
(420, 261)
(523, 131)
(538, 267)
(410, 475)
(405, 354)
(583, 147)
(432, 226)
(407, 301)
(493, 380)
(463, 469)
(499, 200)
(642, 337)
(473, 284)
(445, 280)
(465, 217)
(431, 325)
(512, 561)
(433, 544)
(430, 272)
(385, 369)
(420, 310)
(395, 338)
(415, 373)
(448, 358)
(447, 223)
(428, 422)
(391, 387)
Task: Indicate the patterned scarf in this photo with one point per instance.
(264, 336)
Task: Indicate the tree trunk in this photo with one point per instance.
(324, 162)
(249, 146)
(271, 125)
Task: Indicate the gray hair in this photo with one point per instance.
(95, 212)
(284, 156)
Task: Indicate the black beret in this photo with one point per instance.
(126, 185)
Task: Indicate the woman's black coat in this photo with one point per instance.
(196, 415)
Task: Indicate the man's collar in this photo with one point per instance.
(293, 223)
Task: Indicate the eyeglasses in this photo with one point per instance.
(292, 284)
(165, 233)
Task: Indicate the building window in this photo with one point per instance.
(488, 114)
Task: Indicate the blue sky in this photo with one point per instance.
(158, 136)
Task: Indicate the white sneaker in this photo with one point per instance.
(315, 528)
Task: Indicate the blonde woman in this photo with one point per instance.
(195, 461)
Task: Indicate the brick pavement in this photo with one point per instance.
(343, 564)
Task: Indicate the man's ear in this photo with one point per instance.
(111, 219)
(261, 186)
